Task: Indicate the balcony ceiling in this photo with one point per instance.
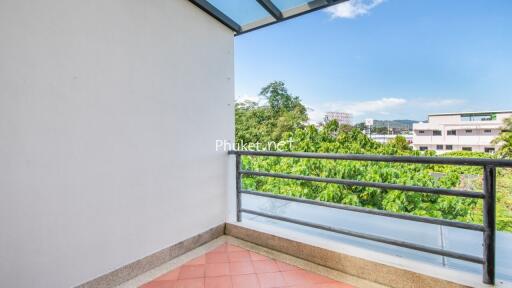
(243, 16)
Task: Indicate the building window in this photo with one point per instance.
(452, 132)
(439, 147)
(478, 117)
(467, 149)
(469, 131)
(421, 132)
(489, 150)
(449, 147)
(437, 133)
(423, 148)
(487, 131)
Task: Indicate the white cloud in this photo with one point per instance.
(381, 106)
(352, 8)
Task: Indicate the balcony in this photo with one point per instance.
(292, 238)
(109, 111)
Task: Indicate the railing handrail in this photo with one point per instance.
(488, 196)
(379, 185)
(381, 158)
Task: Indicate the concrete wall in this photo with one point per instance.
(109, 112)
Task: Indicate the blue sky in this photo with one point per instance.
(386, 59)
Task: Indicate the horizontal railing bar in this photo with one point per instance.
(444, 222)
(406, 188)
(404, 244)
(382, 158)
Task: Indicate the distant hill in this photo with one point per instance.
(405, 121)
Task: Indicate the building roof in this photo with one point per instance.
(474, 112)
(249, 15)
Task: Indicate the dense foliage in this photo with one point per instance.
(284, 113)
(284, 119)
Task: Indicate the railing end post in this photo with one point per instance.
(489, 219)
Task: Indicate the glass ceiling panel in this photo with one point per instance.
(241, 11)
(284, 5)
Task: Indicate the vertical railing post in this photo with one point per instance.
(238, 188)
(489, 223)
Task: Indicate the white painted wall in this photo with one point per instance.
(109, 112)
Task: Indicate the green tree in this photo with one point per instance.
(263, 123)
(280, 100)
(504, 140)
(400, 143)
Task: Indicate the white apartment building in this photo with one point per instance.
(341, 117)
(447, 132)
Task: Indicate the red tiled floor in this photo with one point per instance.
(216, 269)
(216, 257)
(194, 271)
(265, 266)
(269, 280)
(240, 268)
(230, 266)
(218, 282)
(238, 256)
(297, 277)
(190, 283)
(245, 281)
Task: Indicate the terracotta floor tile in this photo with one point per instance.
(269, 280)
(159, 284)
(286, 267)
(239, 268)
(196, 261)
(245, 281)
(297, 277)
(256, 256)
(216, 258)
(194, 271)
(172, 275)
(238, 256)
(218, 282)
(190, 283)
(216, 269)
(265, 266)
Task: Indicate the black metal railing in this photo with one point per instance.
(488, 196)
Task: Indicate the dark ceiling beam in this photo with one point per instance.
(217, 14)
(271, 8)
(309, 7)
